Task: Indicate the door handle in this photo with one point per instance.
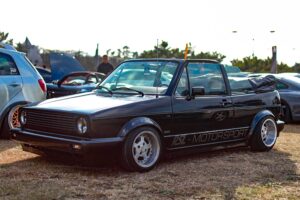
(226, 102)
(14, 84)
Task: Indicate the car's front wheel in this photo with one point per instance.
(141, 150)
(265, 135)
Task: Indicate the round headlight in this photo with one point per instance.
(23, 118)
(82, 125)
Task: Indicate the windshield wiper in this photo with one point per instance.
(102, 87)
(129, 89)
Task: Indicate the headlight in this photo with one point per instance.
(23, 118)
(82, 125)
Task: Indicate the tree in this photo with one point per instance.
(4, 38)
(257, 65)
(126, 52)
(164, 51)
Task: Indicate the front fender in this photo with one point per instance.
(259, 116)
(136, 123)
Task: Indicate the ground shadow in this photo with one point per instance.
(7, 144)
(183, 176)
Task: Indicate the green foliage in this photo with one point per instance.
(164, 51)
(4, 38)
(257, 65)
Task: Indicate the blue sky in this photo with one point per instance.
(207, 24)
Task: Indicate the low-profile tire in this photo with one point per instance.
(141, 150)
(265, 135)
(11, 121)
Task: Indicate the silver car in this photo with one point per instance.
(20, 84)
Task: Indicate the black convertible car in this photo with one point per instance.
(147, 107)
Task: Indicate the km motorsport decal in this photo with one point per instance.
(209, 137)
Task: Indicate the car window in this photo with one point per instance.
(74, 80)
(91, 79)
(207, 75)
(182, 89)
(240, 86)
(281, 86)
(7, 65)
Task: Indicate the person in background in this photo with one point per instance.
(105, 67)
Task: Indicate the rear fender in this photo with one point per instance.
(258, 117)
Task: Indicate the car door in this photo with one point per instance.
(10, 80)
(245, 101)
(206, 119)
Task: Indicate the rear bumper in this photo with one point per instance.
(73, 146)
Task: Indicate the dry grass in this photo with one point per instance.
(230, 174)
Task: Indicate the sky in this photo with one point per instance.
(208, 24)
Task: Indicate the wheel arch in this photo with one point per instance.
(137, 123)
(257, 118)
(285, 103)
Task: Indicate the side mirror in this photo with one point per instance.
(198, 91)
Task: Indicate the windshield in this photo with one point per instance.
(148, 77)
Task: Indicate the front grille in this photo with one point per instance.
(51, 121)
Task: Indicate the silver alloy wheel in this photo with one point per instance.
(146, 149)
(13, 117)
(269, 132)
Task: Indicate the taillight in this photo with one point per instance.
(43, 85)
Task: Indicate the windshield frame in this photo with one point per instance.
(168, 91)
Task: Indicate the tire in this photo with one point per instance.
(265, 135)
(287, 115)
(5, 131)
(141, 150)
(11, 121)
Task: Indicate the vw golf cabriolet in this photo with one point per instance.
(147, 107)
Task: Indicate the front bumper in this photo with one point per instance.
(63, 144)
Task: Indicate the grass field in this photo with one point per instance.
(230, 174)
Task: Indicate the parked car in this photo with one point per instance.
(45, 73)
(288, 86)
(173, 105)
(20, 84)
(74, 83)
(234, 71)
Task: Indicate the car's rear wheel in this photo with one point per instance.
(265, 135)
(141, 150)
(287, 115)
(11, 121)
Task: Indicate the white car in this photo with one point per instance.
(20, 84)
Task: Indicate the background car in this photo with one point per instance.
(45, 73)
(74, 83)
(288, 86)
(234, 71)
(20, 84)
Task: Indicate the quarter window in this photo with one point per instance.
(7, 65)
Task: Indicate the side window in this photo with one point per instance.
(281, 86)
(240, 86)
(7, 65)
(182, 89)
(207, 75)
